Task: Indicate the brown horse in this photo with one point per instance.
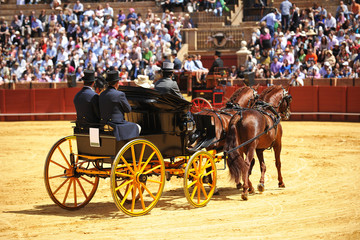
(253, 130)
(243, 97)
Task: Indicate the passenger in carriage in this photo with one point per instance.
(86, 101)
(218, 62)
(113, 104)
(166, 84)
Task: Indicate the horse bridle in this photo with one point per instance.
(255, 95)
(288, 98)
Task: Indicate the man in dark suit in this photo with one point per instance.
(113, 104)
(177, 62)
(86, 101)
(166, 84)
(218, 63)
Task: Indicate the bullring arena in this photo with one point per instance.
(320, 162)
(320, 144)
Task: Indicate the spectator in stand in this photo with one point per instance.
(89, 13)
(36, 27)
(132, 16)
(295, 21)
(78, 10)
(275, 67)
(285, 7)
(270, 20)
(342, 8)
(289, 56)
(329, 24)
(108, 10)
(355, 9)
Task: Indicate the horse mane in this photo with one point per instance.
(236, 94)
(269, 93)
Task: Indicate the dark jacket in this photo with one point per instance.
(113, 104)
(86, 103)
(177, 64)
(167, 85)
(217, 63)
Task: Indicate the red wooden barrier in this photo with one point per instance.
(69, 94)
(353, 103)
(304, 99)
(332, 99)
(17, 101)
(308, 99)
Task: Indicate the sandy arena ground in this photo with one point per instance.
(321, 169)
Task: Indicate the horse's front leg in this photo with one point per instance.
(260, 155)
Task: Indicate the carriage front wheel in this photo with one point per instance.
(137, 177)
(66, 187)
(200, 179)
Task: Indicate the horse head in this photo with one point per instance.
(279, 98)
(244, 96)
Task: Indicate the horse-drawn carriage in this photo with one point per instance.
(137, 168)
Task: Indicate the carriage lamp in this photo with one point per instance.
(189, 125)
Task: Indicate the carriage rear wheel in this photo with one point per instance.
(200, 179)
(137, 177)
(199, 104)
(67, 188)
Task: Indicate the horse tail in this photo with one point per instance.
(234, 157)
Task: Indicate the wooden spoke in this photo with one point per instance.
(152, 169)
(64, 157)
(81, 187)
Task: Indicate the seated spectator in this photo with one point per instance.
(275, 67)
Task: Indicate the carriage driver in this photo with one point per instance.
(86, 101)
(166, 84)
(113, 104)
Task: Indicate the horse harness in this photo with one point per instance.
(261, 107)
(217, 113)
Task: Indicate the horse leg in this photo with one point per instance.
(260, 155)
(277, 151)
(247, 187)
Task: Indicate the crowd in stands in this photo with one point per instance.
(291, 43)
(298, 43)
(47, 47)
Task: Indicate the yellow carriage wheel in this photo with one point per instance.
(200, 179)
(137, 177)
(67, 188)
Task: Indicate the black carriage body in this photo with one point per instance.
(163, 119)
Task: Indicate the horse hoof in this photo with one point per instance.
(281, 185)
(261, 187)
(238, 186)
(244, 196)
(251, 190)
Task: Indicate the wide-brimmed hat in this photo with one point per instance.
(89, 76)
(143, 81)
(311, 32)
(112, 76)
(167, 67)
(217, 53)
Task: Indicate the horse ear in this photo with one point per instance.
(287, 86)
(256, 86)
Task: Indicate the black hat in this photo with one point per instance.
(112, 76)
(168, 67)
(217, 53)
(89, 76)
